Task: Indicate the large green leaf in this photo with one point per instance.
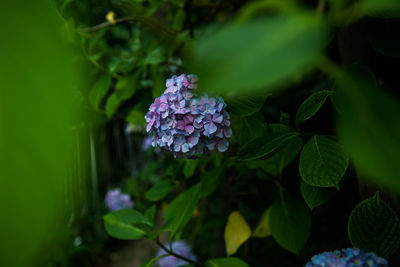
(374, 226)
(322, 162)
(226, 262)
(381, 8)
(315, 196)
(369, 126)
(181, 209)
(311, 105)
(259, 53)
(290, 222)
(264, 145)
(159, 190)
(211, 180)
(121, 224)
(245, 105)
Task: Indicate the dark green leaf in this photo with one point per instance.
(159, 190)
(374, 226)
(99, 91)
(290, 222)
(311, 106)
(245, 105)
(315, 196)
(264, 145)
(369, 126)
(322, 162)
(180, 210)
(120, 224)
(190, 167)
(258, 53)
(276, 163)
(226, 262)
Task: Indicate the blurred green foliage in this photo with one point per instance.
(311, 90)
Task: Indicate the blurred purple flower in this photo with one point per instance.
(186, 124)
(179, 247)
(115, 200)
(349, 257)
(146, 143)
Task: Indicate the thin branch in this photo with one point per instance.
(108, 24)
(321, 7)
(170, 252)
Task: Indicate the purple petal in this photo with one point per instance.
(223, 145)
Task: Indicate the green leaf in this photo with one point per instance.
(374, 226)
(127, 86)
(381, 8)
(311, 106)
(277, 161)
(151, 261)
(159, 190)
(150, 213)
(264, 145)
(180, 210)
(260, 53)
(189, 168)
(369, 126)
(245, 105)
(315, 196)
(99, 91)
(112, 105)
(290, 222)
(226, 262)
(322, 162)
(120, 224)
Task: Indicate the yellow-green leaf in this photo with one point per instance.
(262, 230)
(237, 231)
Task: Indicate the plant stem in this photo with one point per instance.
(170, 252)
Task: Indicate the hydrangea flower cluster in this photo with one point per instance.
(186, 124)
(115, 200)
(179, 247)
(349, 257)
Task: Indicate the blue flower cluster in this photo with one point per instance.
(115, 200)
(185, 124)
(179, 247)
(349, 257)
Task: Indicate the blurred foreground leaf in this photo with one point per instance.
(369, 126)
(260, 53)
